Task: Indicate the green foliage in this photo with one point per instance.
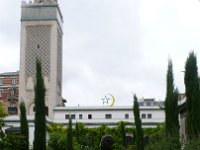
(89, 138)
(55, 128)
(192, 144)
(164, 143)
(192, 97)
(40, 120)
(159, 141)
(69, 135)
(170, 140)
(77, 133)
(123, 133)
(3, 115)
(169, 97)
(13, 142)
(138, 124)
(24, 124)
(57, 139)
(171, 104)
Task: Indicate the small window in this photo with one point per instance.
(149, 116)
(14, 81)
(1, 81)
(89, 116)
(126, 116)
(143, 116)
(67, 116)
(148, 103)
(80, 116)
(12, 110)
(108, 116)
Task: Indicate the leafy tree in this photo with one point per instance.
(138, 124)
(69, 135)
(57, 138)
(192, 97)
(24, 124)
(13, 142)
(40, 120)
(3, 115)
(171, 104)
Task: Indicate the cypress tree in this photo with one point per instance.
(192, 97)
(123, 134)
(77, 132)
(175, 114)
(138, 125)
(40, 120)
(171, 104)
(24, 124)
(69, 135)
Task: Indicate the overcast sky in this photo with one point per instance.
(114, 46)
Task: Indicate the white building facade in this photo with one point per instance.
(152, 115)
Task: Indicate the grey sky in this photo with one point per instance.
(114, 46)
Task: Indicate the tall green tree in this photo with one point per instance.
(40, 120)
(69, 135)
(138, 124)
(192, 97)
(171, 104)
(24, 124)
(77, 132)
(123, 133)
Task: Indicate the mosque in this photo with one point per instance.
(41, 37)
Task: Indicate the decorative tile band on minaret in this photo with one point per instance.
(41, 37)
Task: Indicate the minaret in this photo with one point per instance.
(41, 37)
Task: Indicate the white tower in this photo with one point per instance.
(41, 37)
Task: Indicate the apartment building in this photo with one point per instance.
(9, 91)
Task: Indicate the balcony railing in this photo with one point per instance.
(12, 98)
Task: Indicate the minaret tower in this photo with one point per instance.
(41, 37)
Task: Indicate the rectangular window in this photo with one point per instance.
(1, 81)
(14, 81)
(67, 116)
(148, 103)
(126, 116)
(108, 116)
(149, 116)
(73, 116)
(89, 116)
(80, 116)
(143, 116)
(12, 110)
